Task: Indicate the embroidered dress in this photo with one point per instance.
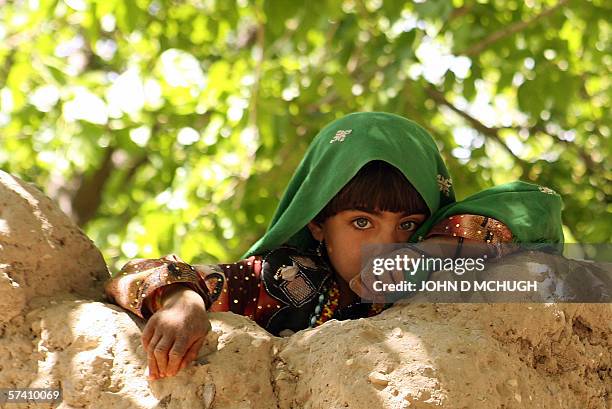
(254, 287)
(283, 284)
(284, 289)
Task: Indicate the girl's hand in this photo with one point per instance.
(174, 335)
(363, 284)
(435, 247)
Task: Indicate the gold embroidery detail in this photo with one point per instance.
(299, 289)
(444, 184)
(547, 190)
(288, 273)
(341, 135)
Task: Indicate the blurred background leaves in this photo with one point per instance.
(173, 126)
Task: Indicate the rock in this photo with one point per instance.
(42, 252)
(379, 379)
(57, 333)
(94, 351)
(208, 395)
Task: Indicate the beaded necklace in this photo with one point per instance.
(327, 305)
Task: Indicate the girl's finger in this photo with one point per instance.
(160, 351)
(192, 353)
(363, 286)
(153, 370)
(176, 354)
(356, 285)
(152, 362)
(147, 334)
(398, 276)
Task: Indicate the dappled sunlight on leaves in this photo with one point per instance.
(188, 118)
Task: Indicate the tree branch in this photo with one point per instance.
(6, 67)
(240, 188)
(590, 164)
(492, 133)
(88, 196)
(509, 31)
(455, 14)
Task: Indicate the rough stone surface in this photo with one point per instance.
(415, 355)
(42, 252)
(455, 356)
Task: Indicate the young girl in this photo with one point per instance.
(366, 178)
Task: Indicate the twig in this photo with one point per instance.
(252, 120)
(492, 133)
(510, 30)
(88, 196)
(455, 14)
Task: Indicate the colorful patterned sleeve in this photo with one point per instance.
(140, 285)
(476, 229)
(238, 287)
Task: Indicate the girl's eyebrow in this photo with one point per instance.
(406, 214)
(379, 213)
(359, 209)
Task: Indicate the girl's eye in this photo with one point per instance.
(408, 225)
(361, 223)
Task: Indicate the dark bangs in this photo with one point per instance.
(377, 186)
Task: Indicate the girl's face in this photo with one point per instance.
(345, 233)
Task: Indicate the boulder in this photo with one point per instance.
(58, 332)
(42, 252)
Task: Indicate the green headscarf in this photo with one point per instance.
(532, 212)
(344, 146)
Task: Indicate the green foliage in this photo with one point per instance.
(169, 126)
